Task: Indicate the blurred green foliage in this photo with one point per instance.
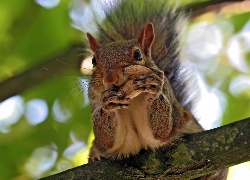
(31, 34)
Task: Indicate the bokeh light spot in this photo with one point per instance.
(10, 112)
(60, 114)
(41, 160)
(36, 111)
(205, 40)
(210, 107)
(240, 85)
(48, 3)
(86, 66)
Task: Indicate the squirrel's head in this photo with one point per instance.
(110, 59)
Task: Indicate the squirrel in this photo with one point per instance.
(141, 92)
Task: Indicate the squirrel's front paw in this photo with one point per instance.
(112, 100)
(150, 83)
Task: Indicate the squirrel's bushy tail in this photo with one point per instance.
(127, 19)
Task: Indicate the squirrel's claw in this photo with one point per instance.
(112, 100)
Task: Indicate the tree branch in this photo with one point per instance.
(37, 75)
(190, 156)
(197, 9)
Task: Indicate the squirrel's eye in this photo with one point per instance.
(137, 55)
(94, 61)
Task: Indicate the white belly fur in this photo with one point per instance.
(133, 131)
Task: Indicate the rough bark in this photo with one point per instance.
(190, 156)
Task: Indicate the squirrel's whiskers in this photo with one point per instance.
(139, 92)
(75, 89)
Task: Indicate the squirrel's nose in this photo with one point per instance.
(110, 79)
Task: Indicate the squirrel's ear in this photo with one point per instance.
(146, 38)
(93, 42)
